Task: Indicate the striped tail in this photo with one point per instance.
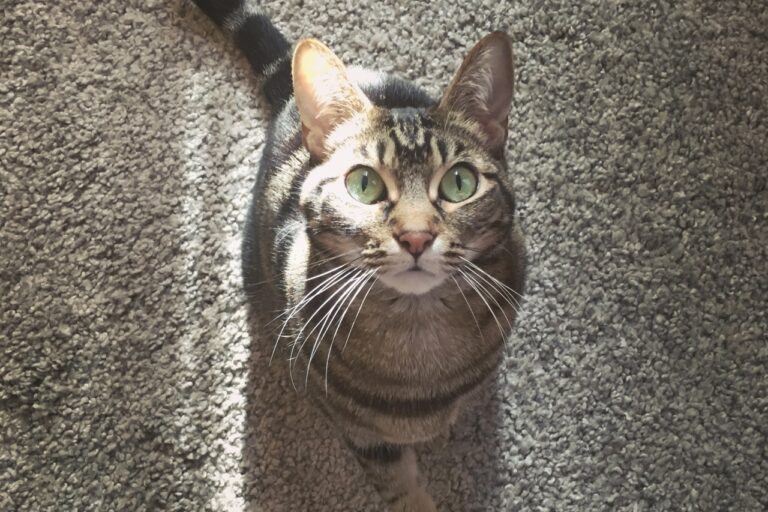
(267, 50)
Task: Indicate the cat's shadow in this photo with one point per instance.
(464, 469)
(294, 461)
(291, 460)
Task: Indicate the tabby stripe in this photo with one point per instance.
(440, 210)
(489, 220)
(261, 42)
(441, 147)
(380, 149)
(333, 412)
(267, 50)
(480, 364)
(219, 10)
(289, 206)
(403, 407)
(495, 225)
(411, 142)
(278, 87)
(399, 147)
(384, 453)
(426, 121)
(406, 408)
(323, 182)
(427, 141)
(466, 135)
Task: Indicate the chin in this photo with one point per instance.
(412, 282)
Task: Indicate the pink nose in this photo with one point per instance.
(415, 242)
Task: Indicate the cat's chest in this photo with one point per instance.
(414, 339)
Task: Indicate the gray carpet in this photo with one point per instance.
(636, 380)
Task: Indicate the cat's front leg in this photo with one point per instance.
(394, 472)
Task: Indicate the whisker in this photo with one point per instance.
(328, 319)
(311, 265)
(478, 251)
(329, 271)
(306, 281)
(317, 310)
(490, 309)
(358, 312)
(340, 255)
(291, 312)
(306, 299)
(490, 296)
(495, 286)
(470, 308)
(502, 285)
(308, 321)
(363, 280)
(353, 289)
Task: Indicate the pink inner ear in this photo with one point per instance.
(324, 94)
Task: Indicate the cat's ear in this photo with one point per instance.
(324, 94)
(483, 86)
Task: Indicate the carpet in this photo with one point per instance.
(636, 379)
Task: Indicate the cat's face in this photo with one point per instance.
(410, 193)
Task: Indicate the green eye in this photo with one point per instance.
(458, 184)
(365, 185)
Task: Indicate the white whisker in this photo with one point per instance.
(331, 316)
(362, 280)
(470, 308)
(358, 312)
(301, 303)
(490, 296)
(505, 287)
(297, 337)
(312, 265)
(495, 286)
(292, 311)
(490, 309)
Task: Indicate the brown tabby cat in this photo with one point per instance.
(383, 226)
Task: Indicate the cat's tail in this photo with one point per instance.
(266, 49)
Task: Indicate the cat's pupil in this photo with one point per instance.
(458, 180)
(364, 182)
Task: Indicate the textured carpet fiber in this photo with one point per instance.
(637, 377)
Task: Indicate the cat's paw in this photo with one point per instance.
(415, 501)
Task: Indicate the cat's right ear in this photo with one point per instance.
(482, 88)
(325, 96)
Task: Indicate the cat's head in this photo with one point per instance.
(412, 192)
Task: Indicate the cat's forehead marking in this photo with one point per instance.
(409, 140)
(410, 130)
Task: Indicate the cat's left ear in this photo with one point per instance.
(483, 86)
(325, 95)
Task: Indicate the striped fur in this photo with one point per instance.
(267, 50)
(388, 368)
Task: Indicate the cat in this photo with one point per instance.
(383, 228)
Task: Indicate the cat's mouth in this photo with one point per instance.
(414, 280)
(417, 268)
